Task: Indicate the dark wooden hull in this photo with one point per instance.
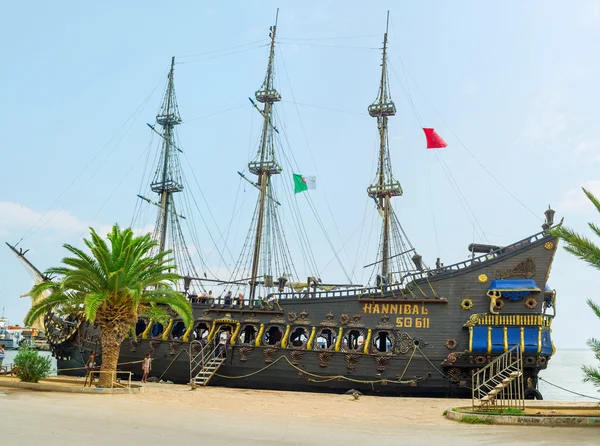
(433, 333)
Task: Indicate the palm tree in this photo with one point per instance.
(586, 250)
(111, 288)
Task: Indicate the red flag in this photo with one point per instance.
(434, 141)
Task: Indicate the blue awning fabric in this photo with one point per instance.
(514, 285)
(515, 289)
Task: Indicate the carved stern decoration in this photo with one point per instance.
(244, 353)
(268, 354)
(154, 345)
(351, 361)
(324, 357)
(296, 356)
(173, 347)
(382, 362)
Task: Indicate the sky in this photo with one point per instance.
(511, 86)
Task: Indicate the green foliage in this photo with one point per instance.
(31, 366)
(126, 275)
(445, 413)
(117, 281)
(585, 249)
(472, 419)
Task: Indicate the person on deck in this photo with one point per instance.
(146, 367)
(203, 297)
(228, 298)
(224, 344)
(210, 297)
(240, 300)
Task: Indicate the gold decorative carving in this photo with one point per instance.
(549, 245)
(530, 302)
(526, 268)
(466, 304)
(482, 278)
(494, 296)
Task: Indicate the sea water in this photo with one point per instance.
(564, 370)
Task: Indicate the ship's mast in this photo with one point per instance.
(165, 184)
(264, 166)
(384, 187)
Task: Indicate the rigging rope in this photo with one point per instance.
(460, 141)
(307, 196)
(134, 115)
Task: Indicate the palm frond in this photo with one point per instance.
(595, 307)
(592, 198)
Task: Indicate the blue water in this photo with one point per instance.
(564, 369)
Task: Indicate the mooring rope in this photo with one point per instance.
(567, 390)
(324, 378)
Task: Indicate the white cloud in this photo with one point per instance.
(575, 200)
(14, 216)
(17, 219)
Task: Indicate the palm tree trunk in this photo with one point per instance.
(112, 335)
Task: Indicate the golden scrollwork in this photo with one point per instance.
(482, 278)
(548, 245)
(466, 304)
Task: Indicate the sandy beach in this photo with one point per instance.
(218, 416)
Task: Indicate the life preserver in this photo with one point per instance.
(533, 394)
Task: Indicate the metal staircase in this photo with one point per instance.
(205, 363)
(500, 383)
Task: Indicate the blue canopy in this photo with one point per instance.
(514, 285)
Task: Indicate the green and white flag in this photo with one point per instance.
(302, 183)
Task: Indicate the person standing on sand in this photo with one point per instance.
(2, 354)
(146, 367)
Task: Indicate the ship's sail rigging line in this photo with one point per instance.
(406, 89)
(308, 198)
(119, 135)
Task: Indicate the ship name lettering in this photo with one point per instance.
(409, 322)
(407, 309)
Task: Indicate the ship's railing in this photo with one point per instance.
(500, 383)
(406, 288)
(476, 260)
(199, 360)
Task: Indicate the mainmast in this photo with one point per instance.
(167, 178)
(385, 186)
(264, 165)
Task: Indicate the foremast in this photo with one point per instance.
(165, 183)
(168, 181)
(385, 186)
(264, 166)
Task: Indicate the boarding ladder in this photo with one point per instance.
(500, 383)
(205, 363)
